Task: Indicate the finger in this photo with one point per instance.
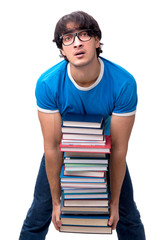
(55, 223)
(114, 225)
(58, 220)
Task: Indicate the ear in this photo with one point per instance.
(62, 51)
(97, 42)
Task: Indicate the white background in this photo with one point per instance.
(131, 39)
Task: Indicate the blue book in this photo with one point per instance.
(85, 216)
(80, 179)
(86, 196)
(83, 120)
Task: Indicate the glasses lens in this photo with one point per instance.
(84, 36)
(68, 39)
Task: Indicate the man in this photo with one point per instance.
(87, 84)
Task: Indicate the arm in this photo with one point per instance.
(51, 129)
(121, 128)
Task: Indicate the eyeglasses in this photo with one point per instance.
(84, 36)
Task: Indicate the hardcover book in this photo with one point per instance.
(82, 190)
(86, 203)
(85, 167)
(85, 173)
(84, 229)
(83, 185)
(84, 154)
(80, 178)
(88, 220)
(88, 137)
(88, 148)
(79, 130)
(79, 120)
(86, 196)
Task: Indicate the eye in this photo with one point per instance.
(84, 34)
(67, 38)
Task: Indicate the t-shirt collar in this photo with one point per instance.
(94, 84)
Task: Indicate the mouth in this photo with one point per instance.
(79, 53)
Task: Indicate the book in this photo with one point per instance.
(93, 137)
(88, 148)
(81, 190)
(81, 179)
(79, 120)
(87, 220)
(106, 145)
(85, 167)
(83, 185)
(71, 155)
(85, 203)
(90, 161)
(85, 196)
(83, 142)
(85, 210)
(84, 154)
(85, 173)
(80, 130)
(85, 149)
(84, 229)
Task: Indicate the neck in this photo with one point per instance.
(85, 76)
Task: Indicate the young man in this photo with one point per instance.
(84, 83)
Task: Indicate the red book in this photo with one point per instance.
(87, 148)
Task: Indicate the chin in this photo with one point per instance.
(81, 62)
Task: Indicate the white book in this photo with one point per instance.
(84, 185)
(99, 161)
(83, 136)
(103, 168)
(75, 196)
(94, 190)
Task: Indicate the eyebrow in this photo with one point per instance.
(72, 30)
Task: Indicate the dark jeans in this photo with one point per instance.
(38, 219)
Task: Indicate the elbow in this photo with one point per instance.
(118, 150)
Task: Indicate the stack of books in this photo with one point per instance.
(84, 175)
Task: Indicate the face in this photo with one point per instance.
(80, 53)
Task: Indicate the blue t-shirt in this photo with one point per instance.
(113, 93)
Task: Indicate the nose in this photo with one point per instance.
(77, 42)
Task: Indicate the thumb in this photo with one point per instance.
(58, 221)
(110, 222)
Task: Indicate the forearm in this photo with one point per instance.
(120, 132)
(54, 162)
(117, 173)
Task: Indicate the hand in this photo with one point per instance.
(114, 216)
(56, 217)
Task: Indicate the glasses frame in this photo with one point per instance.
(77, 34)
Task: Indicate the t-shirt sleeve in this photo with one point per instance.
(45, 97)
(126, 99)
